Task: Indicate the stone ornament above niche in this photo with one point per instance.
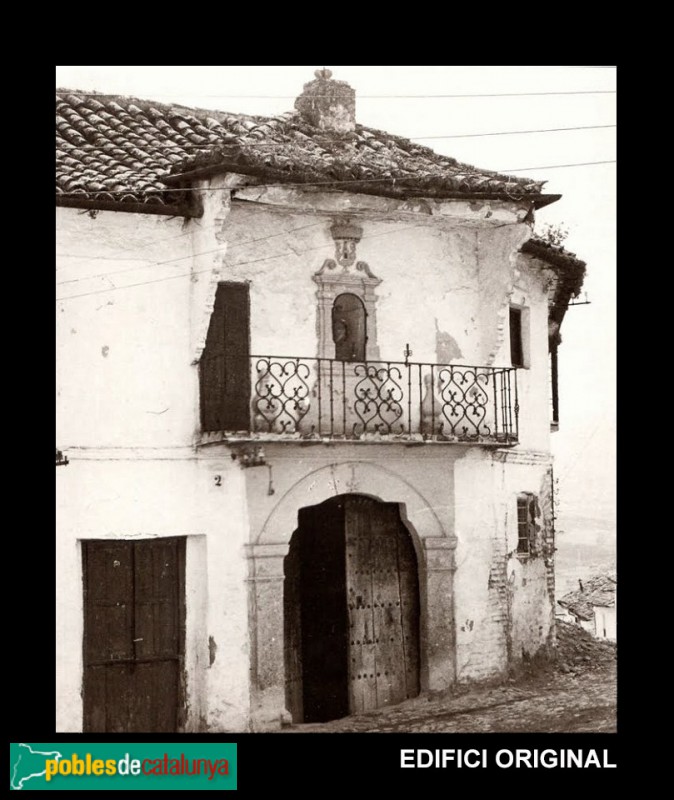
(344, 274)
(346, 236)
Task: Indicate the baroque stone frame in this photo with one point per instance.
(336, 277)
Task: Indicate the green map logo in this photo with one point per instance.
(29, 764)
(126, 765)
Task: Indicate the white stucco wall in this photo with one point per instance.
(530, 294)
(505, 609)
(134, 497)
(429, 273)
(122, 354)
(605, 623)
(125, 371)
(128, 410)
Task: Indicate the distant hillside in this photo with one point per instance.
(585, 547)
(582, 555)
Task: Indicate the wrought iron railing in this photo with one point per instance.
(325, 398)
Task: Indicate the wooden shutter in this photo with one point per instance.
(516, 350)
(225, 363)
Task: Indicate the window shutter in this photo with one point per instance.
(516, 351)
(225, 364)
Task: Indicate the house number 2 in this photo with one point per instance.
(218, 480)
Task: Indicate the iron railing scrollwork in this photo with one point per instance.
(281, 396)
(377, 399)
(326, 398)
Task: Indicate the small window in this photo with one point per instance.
(516, 347)
(526, 524)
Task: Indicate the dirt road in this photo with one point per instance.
(577, 694)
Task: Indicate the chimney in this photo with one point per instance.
(327, 104)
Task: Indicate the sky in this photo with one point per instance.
(414, 101)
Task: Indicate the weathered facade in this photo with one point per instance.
(309, 465)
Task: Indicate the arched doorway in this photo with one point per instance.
(351, 610)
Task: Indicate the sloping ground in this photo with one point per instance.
(577, 650)
(574, 693)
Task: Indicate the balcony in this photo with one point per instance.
(294, 398)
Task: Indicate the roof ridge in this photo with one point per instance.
(115, 146)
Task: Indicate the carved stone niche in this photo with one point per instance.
(344, 274)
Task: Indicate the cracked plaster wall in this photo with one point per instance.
(127, 412)
(128, 417)
(445, 292)
(122, 356)
(504, 604)
(429, 281)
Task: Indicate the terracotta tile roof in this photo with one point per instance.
(569, 271)
(288, 149)
(119, 150)
(599, 590)
(553, 254)
(116, 150)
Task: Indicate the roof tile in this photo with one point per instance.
(140, 143)
(600, 590)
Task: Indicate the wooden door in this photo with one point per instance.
(351, 610)
(134, 620)
(323, 613)
(383, 605)
(224, 371)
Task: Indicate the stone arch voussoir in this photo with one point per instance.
(352, 477)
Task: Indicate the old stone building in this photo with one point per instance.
(304, 390)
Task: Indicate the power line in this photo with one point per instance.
(240, 244)
(360, 96)
(472, 172)
(559, 166)
(149, 265)
(265, 145)
(401, 180)
(582, 449)
(510, 133)
(210, 269)
(152, 243)
(134, 248)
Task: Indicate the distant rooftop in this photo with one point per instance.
(600, 590)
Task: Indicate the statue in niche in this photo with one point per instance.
(349, 327)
